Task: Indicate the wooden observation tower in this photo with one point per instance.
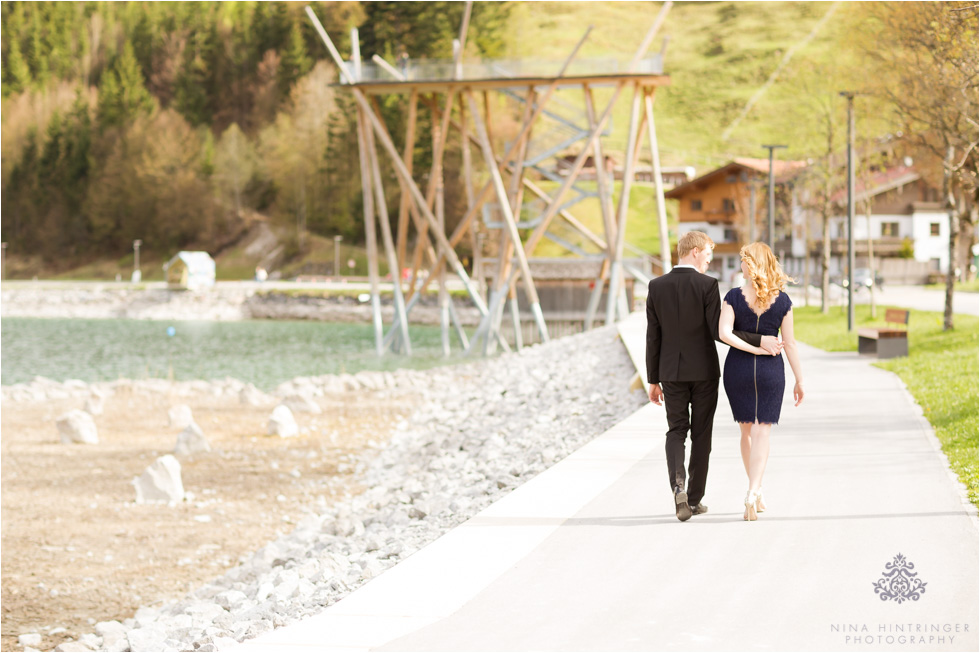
(500, 203)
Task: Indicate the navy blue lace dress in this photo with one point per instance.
(755, 384)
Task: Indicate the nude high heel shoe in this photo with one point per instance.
(750, 510)
(760, 506)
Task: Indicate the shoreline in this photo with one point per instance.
(227, 301)
(478, 430)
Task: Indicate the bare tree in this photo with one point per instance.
(928, 74)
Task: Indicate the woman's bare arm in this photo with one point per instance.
(792, 354)
(725, 324)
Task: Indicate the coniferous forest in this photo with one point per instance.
(169, 121)
(181, 123)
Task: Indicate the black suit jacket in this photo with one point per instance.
(683, 308)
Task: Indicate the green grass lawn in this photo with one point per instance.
(941, 372)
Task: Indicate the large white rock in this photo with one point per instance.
(77, 426)
(180, 416)
(282, 422)
(301, 403)
(113, 635)
(151, 638)
(191, 440)
(160, 483)
(30, 639)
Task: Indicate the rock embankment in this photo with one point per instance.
(482, 429)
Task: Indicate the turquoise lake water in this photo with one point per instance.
(263, 352)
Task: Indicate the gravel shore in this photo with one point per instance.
(481, 430)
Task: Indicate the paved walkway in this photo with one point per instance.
(588, 556)
(915, 297)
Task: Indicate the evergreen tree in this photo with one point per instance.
(37, 54)
(16, 74)
(122, 94)
(295, 61)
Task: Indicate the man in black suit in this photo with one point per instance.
(683, 308)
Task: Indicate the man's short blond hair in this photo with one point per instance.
(692, 240)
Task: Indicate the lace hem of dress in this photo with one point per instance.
(762, 423)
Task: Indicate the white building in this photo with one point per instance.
(903, 208)
(190, 270)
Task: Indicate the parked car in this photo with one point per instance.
(862, 279)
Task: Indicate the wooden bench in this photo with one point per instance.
(889, 341)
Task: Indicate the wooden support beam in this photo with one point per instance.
(475, 243)
(435, 179)
(552, 209)
(420, 201)
(417, 219)
(404, 202)
(516, 319)
(463, 29)
(372, 245)
(403, 173)
(440, 211)
(648, 39)
(616, 272)
(355, 47)
(334, 54)
(658, 183)
(603, 185)
(508, 215)
(568, 217)
(516, 190)
(389, 243)
(391, 70)
(511, 152)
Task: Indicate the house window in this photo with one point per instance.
(889, 230)
(695, 205)
(730, 262)
(728, 206)
(730, 236)
(934, 229)
(731, 179)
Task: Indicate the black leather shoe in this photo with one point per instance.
(683, 510)
(699, 509)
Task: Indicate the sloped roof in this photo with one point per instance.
(198, 263)
(879, 182)
(779, 168)
(783, 171)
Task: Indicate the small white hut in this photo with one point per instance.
(190, 270)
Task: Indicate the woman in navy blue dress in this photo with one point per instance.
(755, 384)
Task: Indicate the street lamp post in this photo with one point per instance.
(772, 197)
(336, 254)
(850, 207)
(3, 261)
(137, 275)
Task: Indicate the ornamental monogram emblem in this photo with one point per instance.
(898, 582)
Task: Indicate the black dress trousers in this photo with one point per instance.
(690, 406)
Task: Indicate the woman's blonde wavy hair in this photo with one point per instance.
(765, 272)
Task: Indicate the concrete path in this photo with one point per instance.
(588, 556)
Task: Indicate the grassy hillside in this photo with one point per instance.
(720, 54)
